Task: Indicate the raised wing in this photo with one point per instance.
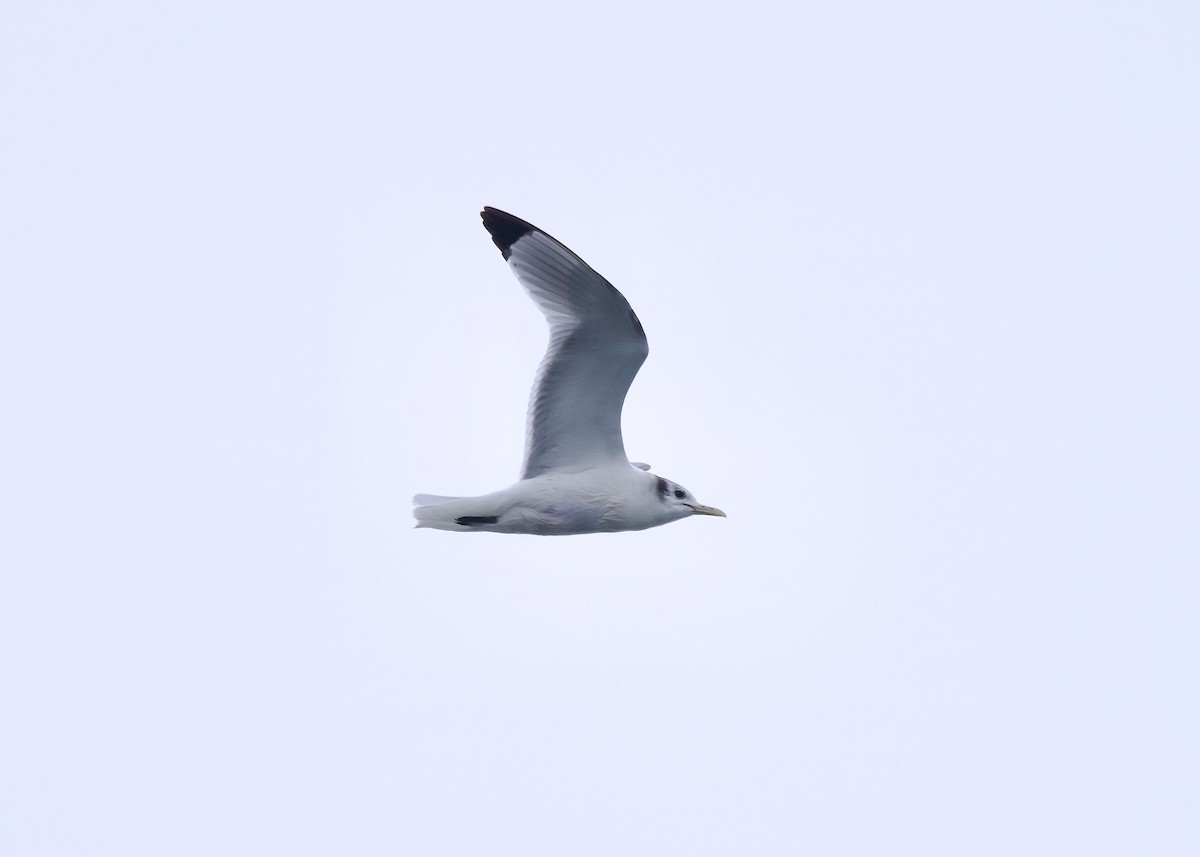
(596, 347)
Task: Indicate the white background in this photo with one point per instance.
(922, 288)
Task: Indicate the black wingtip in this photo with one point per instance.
(476, 520)
(504, 228)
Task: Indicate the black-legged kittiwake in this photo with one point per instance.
(576, 478)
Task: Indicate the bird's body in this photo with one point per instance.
(576, 478)
(605, 499)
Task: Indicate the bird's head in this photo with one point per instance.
(679, 502)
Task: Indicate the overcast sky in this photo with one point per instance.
(922, 288)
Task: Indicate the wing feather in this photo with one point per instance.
(596, 347)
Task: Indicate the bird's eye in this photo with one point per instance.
(679, 494)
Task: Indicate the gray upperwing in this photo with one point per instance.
(596, 347)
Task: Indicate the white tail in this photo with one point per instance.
(432, 499)
(454, 513)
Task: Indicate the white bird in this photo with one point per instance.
(576, 478)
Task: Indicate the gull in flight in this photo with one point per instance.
(576, 478)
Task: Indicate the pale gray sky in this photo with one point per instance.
(922, 289)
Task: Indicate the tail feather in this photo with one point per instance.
(432, 499)
(454, 513)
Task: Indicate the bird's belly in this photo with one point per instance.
(558, 520)
(563, 517)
